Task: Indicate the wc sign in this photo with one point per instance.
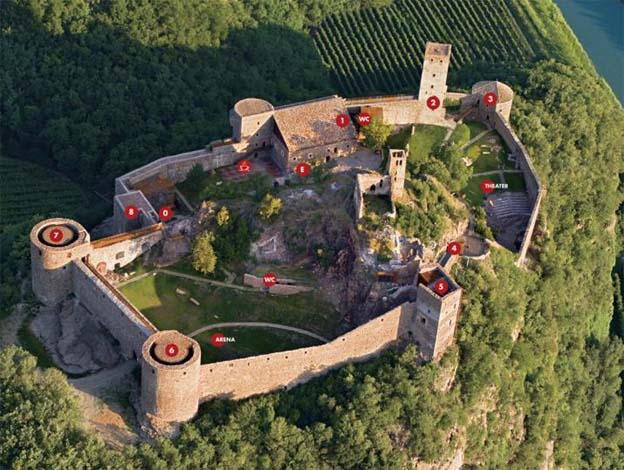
(269, 279)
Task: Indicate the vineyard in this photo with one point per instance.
(381, 50)
(29, 189)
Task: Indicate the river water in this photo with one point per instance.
(599, 25)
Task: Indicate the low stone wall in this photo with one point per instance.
(242, 378)
(109, 307)
(279, 289)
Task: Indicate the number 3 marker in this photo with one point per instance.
(490, 99)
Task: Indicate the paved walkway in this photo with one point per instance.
(475, 138)
(258, 325)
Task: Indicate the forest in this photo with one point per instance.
(92, 89)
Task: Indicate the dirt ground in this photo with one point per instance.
(105, 401)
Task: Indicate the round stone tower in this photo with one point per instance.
(503, 93)
(54, 244)
(170, 376)
(251, 119)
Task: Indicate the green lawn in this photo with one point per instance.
(489, 153)
(156, 297)
(424, 140)
(213, 187)
(475, 128)
(251, 341)
(474, 195)
(515, 181)
(378, 205)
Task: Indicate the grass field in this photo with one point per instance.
(156, 297)
(473, 192)
(213, 187)
(28, 189)
(475, 128)
(515, 181)
(251, 341)
(424, 140)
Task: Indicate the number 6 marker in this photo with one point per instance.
(171, 350)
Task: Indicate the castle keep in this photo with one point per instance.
(66, 263)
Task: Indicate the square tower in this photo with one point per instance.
(434, 73)
(435, 315)
(397, 159)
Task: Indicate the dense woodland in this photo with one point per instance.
(95, 88)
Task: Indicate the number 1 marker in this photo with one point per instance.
(342, 120)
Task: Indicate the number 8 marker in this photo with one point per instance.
(131, 212)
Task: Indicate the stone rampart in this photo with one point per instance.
(242, 378)
(123, 249)
(111, 308)
(534, 188)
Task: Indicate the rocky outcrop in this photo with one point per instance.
(76, 341)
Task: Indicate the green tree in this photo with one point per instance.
(195, 178)
(223, 216)
(203, 257)
(376, 134)
(270, 206)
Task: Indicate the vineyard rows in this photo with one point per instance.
(381, 50)
(29, 189)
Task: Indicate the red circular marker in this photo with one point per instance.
(244, 166)
(453, 248)
(364, 119)
(487, 186)
(165, 213)
(490, 99)
(433, 103)
(441, 287)
(56, 235)
(342, 120)
(217, 340)
(303, 169)
(269, 279)
(172, 350)
(131, 212)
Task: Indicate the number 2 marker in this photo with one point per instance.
(433, 103)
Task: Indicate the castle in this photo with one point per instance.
(66, 263)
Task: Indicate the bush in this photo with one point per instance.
(204, 257)
(270, 206)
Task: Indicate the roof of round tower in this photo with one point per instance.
(58, 234)
(170, 348)
(251, 106)
(504, 92)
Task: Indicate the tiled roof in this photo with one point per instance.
(313, 123)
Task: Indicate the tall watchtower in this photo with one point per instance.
(397, 160)
(435, 312)
(434, 73)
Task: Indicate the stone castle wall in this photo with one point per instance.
(109, 307)
(245, 377)
(106, 257)
(534, 188)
